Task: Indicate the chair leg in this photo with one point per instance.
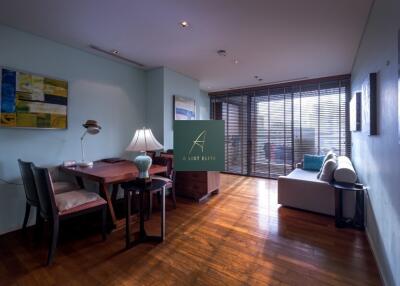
(173, 197)
(104, 223)
(39, 225)
(53, 240)
(27, 213)
(150, 210)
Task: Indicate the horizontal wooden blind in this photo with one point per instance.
(269, 129)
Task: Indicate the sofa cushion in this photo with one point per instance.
(304, 175)
(328, 170)
(313, 162)
(345, 172)
(71, 199)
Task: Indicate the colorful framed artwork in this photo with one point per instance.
(184, 108)
(369, 105)
(355, 112)
(32, 101)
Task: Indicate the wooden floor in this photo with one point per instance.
(239, 237)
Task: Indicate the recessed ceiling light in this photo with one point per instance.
(115, 52)
(221, 53)
(256, 76)
(184, 24)
(235, 61)
(260, 79)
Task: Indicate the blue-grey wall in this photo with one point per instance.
(376, 158)
(110, 92)
(181, 85)
(162, 84)
(155, 102)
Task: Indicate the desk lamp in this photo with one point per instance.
(92, 128)
(143, 141)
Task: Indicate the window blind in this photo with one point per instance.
(269, 129)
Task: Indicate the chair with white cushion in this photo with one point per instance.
(168, 177)
(55, 207)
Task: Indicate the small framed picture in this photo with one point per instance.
(184, 108)
(369, 105)
(355, 112)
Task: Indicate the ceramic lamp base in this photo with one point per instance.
(143, 163)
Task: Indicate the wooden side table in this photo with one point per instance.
(140, 187)
(358, 219)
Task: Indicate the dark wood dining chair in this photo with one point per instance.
(56, 207)
(32, 199)
(151, 154)
(168, 177)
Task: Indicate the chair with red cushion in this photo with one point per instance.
(55, 207)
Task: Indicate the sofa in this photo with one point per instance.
(302, 189)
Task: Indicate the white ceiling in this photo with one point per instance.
(276, 40)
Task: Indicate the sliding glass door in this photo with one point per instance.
(268, 130)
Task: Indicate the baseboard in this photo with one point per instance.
(378, 259)
(376, 244)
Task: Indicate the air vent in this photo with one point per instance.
(268, 83)
(116, 55)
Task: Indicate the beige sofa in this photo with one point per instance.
(303, 190)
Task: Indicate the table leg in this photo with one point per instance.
(106, 194)
(163, 214)
(338, 208)
(127, 219)
(142, 231)
(359, 213)
(114, 193)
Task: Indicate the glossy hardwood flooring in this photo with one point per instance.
(239, 237)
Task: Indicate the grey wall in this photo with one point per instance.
(376, 158)
(110, 92)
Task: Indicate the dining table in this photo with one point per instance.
(109, 174)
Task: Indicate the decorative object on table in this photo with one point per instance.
(32, 101)
(369, 105)
(143, 141)
(184, 108)
(92, 128)
(355, 112)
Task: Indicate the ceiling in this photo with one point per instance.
(274, 40)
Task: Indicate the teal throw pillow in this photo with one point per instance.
(313, 162)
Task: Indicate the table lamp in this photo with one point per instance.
(143, 141)
(92, 128)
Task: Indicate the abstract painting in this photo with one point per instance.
(184, 108)
(32, 101)
(369, 105)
